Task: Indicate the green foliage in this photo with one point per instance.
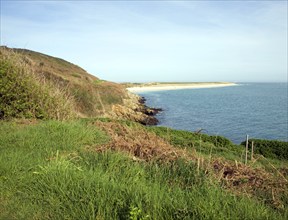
(96, 99)
(110, 93)
(77, 75)
(98, 81)
(136, 214)
(52, 170)
(16, 92)
(203, 143)
(186, 138)
(270, 148)
(87, 101)
(23, 95)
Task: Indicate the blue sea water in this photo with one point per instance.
(256, 109)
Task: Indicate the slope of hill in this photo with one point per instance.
(42, 86)
(110, 169)
(95, 167)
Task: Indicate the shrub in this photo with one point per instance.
(270, 148)
(24, 95)
(184, 138)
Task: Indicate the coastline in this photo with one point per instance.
(176, 86)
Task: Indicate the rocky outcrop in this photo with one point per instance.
(134, 109)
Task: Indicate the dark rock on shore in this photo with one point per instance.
(134, 109)
(152, 111)
(142, 100)
(149, 112)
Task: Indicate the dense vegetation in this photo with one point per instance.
(183, 138)
(24, 94)
(202, 143)
(35, 85)
(54, 170)
(269, 148)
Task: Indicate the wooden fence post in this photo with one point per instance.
(252, 150)
(246, 150)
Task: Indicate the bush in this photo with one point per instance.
(270, 148)
(185, 138)
(24, 95)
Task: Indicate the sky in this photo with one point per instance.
(150, 41)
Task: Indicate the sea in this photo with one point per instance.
(259, 110)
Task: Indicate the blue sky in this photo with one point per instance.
(142, 41)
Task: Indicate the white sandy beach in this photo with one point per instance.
(171, 86)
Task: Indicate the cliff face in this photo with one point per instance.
(83, 94)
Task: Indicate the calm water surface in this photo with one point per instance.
(256, 109)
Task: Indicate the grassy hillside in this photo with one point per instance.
(32, 84)
(95, 169)
(59, 160)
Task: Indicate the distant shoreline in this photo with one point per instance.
(176, 86)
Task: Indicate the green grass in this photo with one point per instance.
(270, 148)
(203, 144)
(77, 75)
(216, 146)
(98, 81)
(49, 170)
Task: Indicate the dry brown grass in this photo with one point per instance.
(55, 69)
(240, 178)
(138, 142)
(235, 177)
